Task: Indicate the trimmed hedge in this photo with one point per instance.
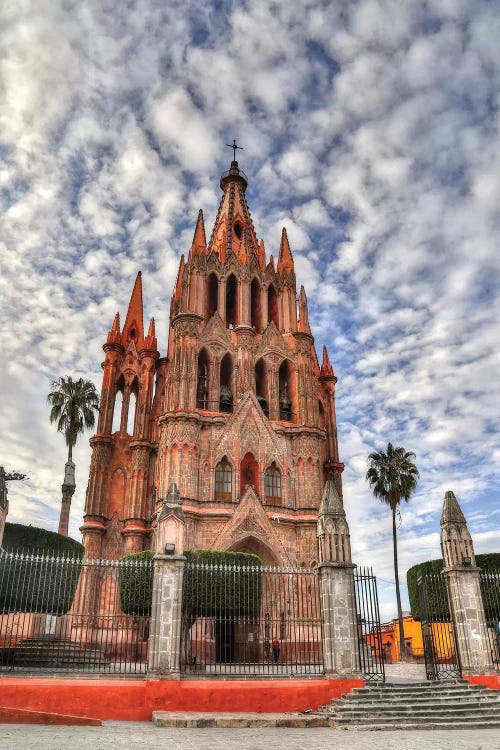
(136, 584)
(487, 562)
(215, 596)
(18, 537)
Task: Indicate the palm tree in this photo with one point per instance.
(393, 476)
(74, 403)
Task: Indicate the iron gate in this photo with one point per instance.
(489, 581)
(252, 620)
(371, 653)
(438, 633)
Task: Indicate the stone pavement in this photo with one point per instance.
(133, 735)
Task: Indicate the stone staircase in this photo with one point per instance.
(447, 704)
(52, 652)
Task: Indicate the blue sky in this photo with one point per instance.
(370, 130)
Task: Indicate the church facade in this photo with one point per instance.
(240, 414)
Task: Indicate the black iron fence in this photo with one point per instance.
(489, 582)
(252, 620)
(370, 645)
(438, 633)
(68, 614)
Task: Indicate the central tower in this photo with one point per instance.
(242, 417)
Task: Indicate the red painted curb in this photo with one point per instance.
(135, 700)
(490, 681)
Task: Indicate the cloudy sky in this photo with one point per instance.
(370, 130)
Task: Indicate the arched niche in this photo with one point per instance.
(226, 384)
(231, 301)
(255, 306)
(249, 473)
(202, 381)
(287, 380)
(272, 305)
(212, 295)
(322, 415)
(117, 494)
(261, 390)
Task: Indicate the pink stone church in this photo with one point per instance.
(238, 411)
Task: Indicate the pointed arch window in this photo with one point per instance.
(272, 305)
(273, 485)
(223, 481)
(255, 306)
(212, 295)
(231, 301)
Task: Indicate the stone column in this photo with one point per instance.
(464, 593)
(338, 617)
(165, 638)
(68, 488)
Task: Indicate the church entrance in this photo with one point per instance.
(258, 619)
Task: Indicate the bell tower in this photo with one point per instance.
(242, 416)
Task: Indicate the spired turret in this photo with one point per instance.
(456, 541)
(333, 532)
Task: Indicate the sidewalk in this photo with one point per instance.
(135, 736)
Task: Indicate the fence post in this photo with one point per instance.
(168, 573)
(336, 575)
(338, 620)
(464, 593)
(165, 637)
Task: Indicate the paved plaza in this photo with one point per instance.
(132, 735)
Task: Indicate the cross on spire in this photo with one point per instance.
(234, 146)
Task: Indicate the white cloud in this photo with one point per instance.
(371, 130)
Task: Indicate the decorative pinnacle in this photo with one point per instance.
(452, 512)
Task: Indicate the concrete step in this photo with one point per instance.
(427, 705)
(172, 719)
(396, 699)
(424, 700)
(426, 715)
(479, 724)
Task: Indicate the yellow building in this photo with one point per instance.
(442, 639)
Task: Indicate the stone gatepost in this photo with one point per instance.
(168, 571)
(464, 594)
(336, 574)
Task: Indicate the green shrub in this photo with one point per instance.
(18, 537)
(34, 580)
(210, 594)
(31, 582)
(136, 583)
(437, 594)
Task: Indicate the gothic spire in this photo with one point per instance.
(233, 228)
(326, 366)
(285, 260)
(199, 245)
(134, 325)
(114, 335)
(303, 326)
(150, 340)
